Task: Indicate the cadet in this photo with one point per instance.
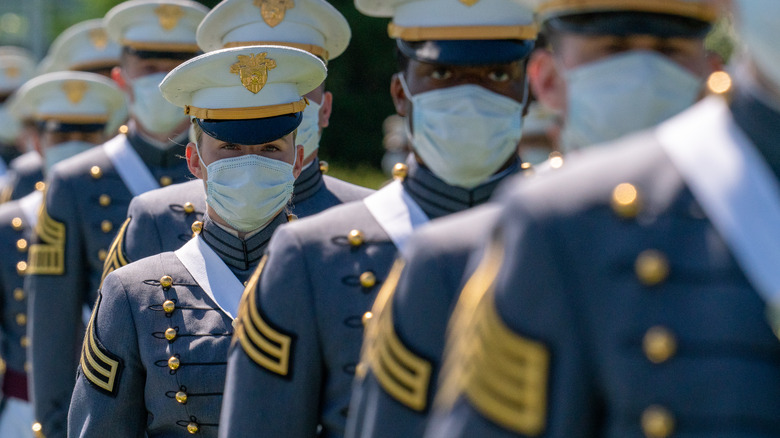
(87, 197)
(161, 219)
(20, 166)
(300, 329)
(73, 111)
(405, 338)
(86, 47)
(627, 294)
(179, 306)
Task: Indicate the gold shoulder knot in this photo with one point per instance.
(265, 345)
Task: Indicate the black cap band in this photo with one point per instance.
(630, 23)
(252, 131)
(466, 52)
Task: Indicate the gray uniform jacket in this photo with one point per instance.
(309, 302)
(405, 337)
(86, 202)
(597, 314)
(15, 234)
(24, 172)
(154, 355)
(160, 220)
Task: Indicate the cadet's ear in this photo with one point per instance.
(116, 75)
(298, 161)
(326, 108)
(399, 96)
(546, 81)
(193, 161)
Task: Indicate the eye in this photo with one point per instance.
(441, 74)
(271, 148)
(498, 76)
(231, 147)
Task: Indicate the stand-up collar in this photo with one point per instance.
(308, 182)
(239, 254)
(153, 156)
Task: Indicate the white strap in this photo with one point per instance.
(209, 270)
(136, 176)
(396, 212)
(733, 185)
(30, 206)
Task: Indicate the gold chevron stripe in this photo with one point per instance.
(116, 253)
(266, 346)
(47, 257)
(106, 366)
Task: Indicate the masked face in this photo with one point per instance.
(465, 133)
(61, 151)
(155, 114)
(309, 129)
(624, 93)
(757, 24)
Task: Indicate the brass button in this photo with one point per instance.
(181, 397)
(292, 218)
(173, 363)
(657, 422)
(556, 160)
(19, 294)
(123, 129)
(356, 237)
(659, 344)
(166, 281)
(526, 165)
(166, 181)
(719, 82)
(367, 279)
(192, 428)
(104, 200)
(102, 255)
(189, 207)
(17, 223)
(24, 342)
(40, 186)
(170, 333)
(96, 172)
(21, 267)
(21, 319)
(106, 226)
(27, 367)
(37, 428)
(625, 201)
(324, 167)
(366, 317)
(400, 170)
(169, 306)
(197, 227)
(21, 245)
(652, 267)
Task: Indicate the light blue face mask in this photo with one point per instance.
(54, 154)
(757, 24)
(464, 134)
(248, 191)
(309, 130)
(624, 93)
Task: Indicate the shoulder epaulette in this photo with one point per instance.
(503, 374)
(101, 367)
(47, 257)
(265, 345)
(404, 375)
(116, 257)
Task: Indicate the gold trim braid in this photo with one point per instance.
(47, 257)
(258, 112)
(403, 375)
(528, 32)
(691, 9)
(116, 253)
(503, 374)
(265, 346)
(314, 49)
(101, 368)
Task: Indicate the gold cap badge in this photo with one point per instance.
(253, 70)
(74, 90)
(273, 10)
(99, 38)
(169, 16)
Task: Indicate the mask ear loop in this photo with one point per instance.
(407, 119)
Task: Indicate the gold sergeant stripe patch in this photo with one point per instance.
(116, 253)
(263, 344)
(101, 368)
(47, 257)
(404, 375)
(503, 374)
